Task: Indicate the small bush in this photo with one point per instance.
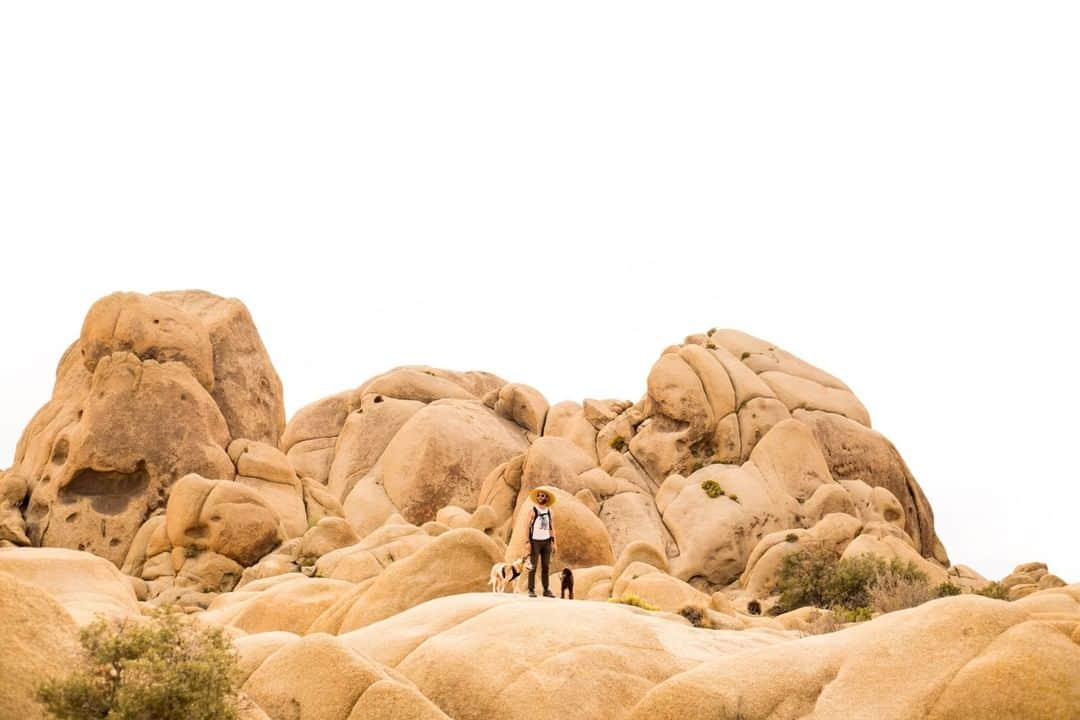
(859, 614)
(712, 488)
(994, 590)
(946, 589)
(892, 592)
(618, 443)
(753, 607)
(710, 345)
(632, 599)
(166, 668)
(815, 576)
(804, 579)
(697, 616)
(733, 497)
(822, 622)
(791, 537)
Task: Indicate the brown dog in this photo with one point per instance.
(567, 583)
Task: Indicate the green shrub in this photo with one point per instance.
(165, 668)
(632, 599)
(946, 589)
(805, 578)
(817, 577)
(712, 488)
(859, 614)
(733, 497)
(994, 590)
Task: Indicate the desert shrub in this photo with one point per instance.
(822, 622)
(697, 616)
(791, 537)
(632, 599)
(618, 443)
(712, 488)
(815, 576)
(946, 589)
(891, 592)
(734, 497)
(753, 607)
(994, 590)
(165, 668)
(804, 579)
(850, 615)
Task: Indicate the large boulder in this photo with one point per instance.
(247, 389)
(223, 517)
(440, 456)
(855, 452)
(155, 387)
(40, 643)
(581, 538)
(488, 656)
(455, 562)
(321, 678)
(288, 603)
(267, 471)
(88, 587)
(311, 436)
(957, 658)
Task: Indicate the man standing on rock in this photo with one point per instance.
(541, 539)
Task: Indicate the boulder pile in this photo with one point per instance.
(348, 551)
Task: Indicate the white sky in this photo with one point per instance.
(555, 192)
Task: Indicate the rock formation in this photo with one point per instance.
(360, 535)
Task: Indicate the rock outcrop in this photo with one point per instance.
(155, 388)
(349, 551)
(989, 659)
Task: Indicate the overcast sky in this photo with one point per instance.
(555, 192)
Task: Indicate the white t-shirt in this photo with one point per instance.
(541, 528)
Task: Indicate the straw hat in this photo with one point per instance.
(548, 491)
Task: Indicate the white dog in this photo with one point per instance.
(503, 574)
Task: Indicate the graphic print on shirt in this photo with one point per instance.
(542, 526)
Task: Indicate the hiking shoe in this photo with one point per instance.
(532, 593)
(548, 593)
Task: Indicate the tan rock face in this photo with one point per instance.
(411, 441)
(855, 452)
(140, 426)
(442, 455)
(86, 586)
(989, 659)
(155, 388)
(223, 517)
(40, 643)
(320, 677)
(490, 656)
(247, 389)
